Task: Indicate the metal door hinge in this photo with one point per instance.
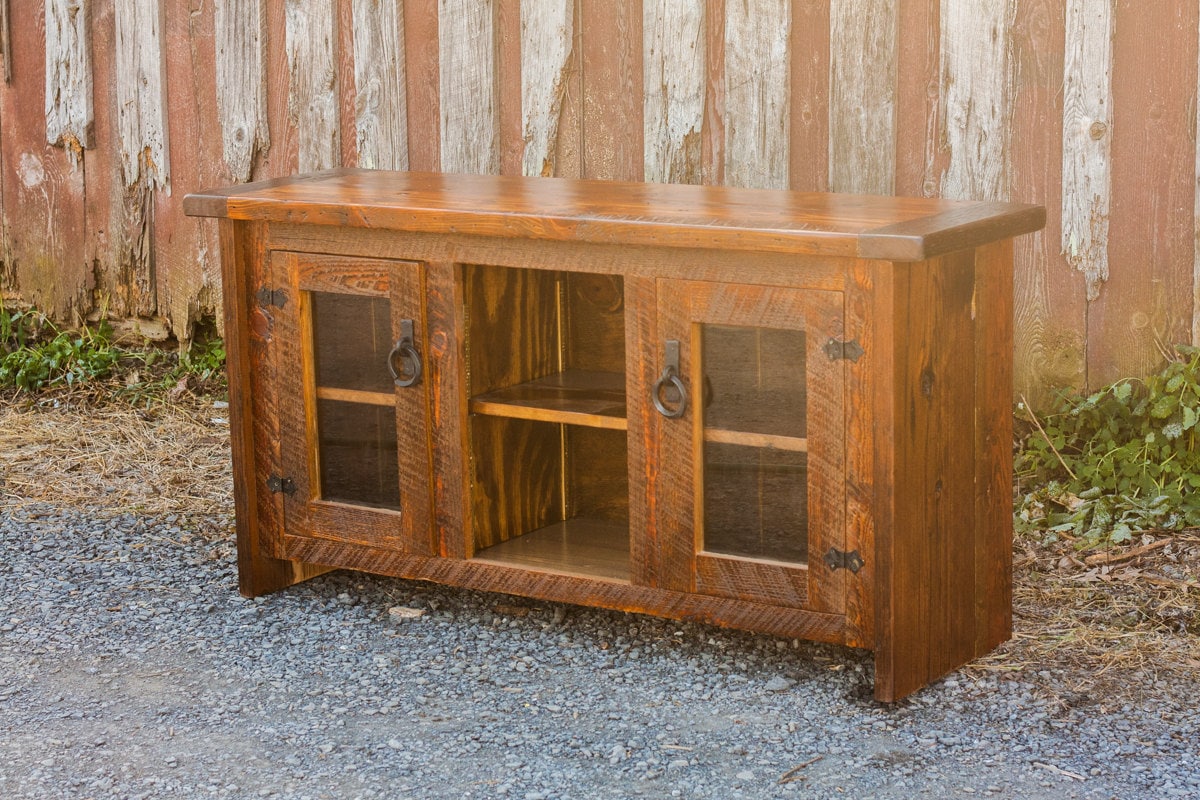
(277, 484)
(840, 559)
(271, 297)
(851, 350)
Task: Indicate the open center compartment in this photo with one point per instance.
(547, 427)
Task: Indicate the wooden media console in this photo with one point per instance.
(784, 412)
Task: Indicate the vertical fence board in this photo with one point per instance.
(282, 157)
(920, 158)
(422, 96)
(313, 100)
(509, 61)
(547, 31)
(141, 99)
(42, 189)
(346, 62)
(68, 76)
(241, 83)
(712, 145)
(1146, 304)
(810, 89)
(186, 267)
(469, 134)
(862, 100)
(976, 94)
(674, 80)
(756, 102)
(381, 112)
(1087, 138)
(611, 63)
(1049, 308)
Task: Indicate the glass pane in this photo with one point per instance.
(755, 502)
(755, 460)
(352, 336)
(358, 453)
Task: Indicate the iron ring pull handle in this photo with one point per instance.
(405, 351)
(670, 376)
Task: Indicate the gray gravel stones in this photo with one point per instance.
(130, 667)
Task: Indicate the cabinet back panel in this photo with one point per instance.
(595, 308)
(512, 326)
(516, 477)
(598, 474)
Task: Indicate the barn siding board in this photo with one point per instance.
(422, 94)
(509, 65)
(469, 131)
(675, 80)
(976, 94)
(757, 130)
(313, 99)
(344, 62)
(1146, 304)
(283, 155)
(810, 96)
(1050, 307)
(712, 144)
(920, 157)
(43, 191)
(68, 77)
(141, 98)
(547, 34)
(187, 273)
(862, 98)
(611, 69)
(241, 83)
(1087, 138)
(381, 111)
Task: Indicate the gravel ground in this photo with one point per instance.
(131, 668)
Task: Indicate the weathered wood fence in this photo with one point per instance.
(112, 110)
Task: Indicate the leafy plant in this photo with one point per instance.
(1119, 461)
(37, 354)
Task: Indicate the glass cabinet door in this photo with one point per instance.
(354, 432)
(752, 441)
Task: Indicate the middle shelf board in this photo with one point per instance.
(573, 397)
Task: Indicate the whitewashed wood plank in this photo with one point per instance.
(313, 95)
(240, 27)
(381, 110)
(674, 79)
(470, 138)
(862, 96)
(976, 97)
(141, 103)
(1087, 138)
(547, 35)
(757, 78)
(68, 77)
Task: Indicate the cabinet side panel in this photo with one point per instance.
(930, 626)
(994, 291)
(253, 414)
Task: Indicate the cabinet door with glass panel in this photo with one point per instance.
(354, 424)
(750, 491)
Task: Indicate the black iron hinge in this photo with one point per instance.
(278, 484)
(840, 559)
(851, 350)
(271, 297)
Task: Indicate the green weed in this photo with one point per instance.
(1117, 462)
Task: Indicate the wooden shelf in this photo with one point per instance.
(767, 441)
(356, 396)
(574, 397)
(591, 547)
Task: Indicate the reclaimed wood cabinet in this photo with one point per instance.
(777, 411)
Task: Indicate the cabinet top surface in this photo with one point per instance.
(652, 214)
